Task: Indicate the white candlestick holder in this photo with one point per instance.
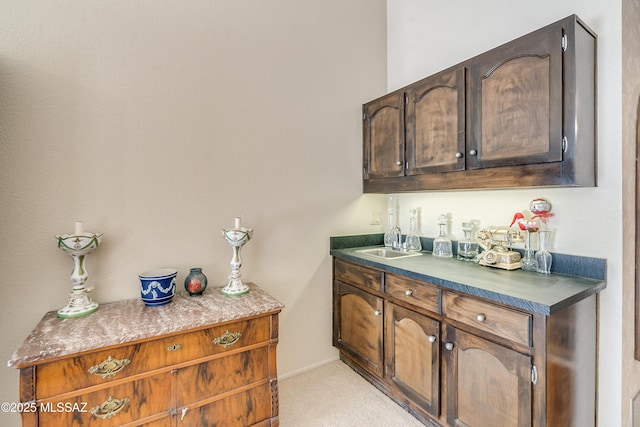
(79, 246)
(237, 237)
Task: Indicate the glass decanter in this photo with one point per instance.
(543, 256)
(442, 246)
(413, 239)
(468, 246)
(391, 236)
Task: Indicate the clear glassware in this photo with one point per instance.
(543, 256)
(529, 262)
(468, 246)
(413, 238)
(442, 246)
(391, 236)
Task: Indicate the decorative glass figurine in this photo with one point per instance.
(442, 246)
(413, 239)
(468, 246)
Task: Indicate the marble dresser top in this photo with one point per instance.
(130, 320)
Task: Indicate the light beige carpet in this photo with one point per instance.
(333, 395)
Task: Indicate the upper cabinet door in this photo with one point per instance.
(383, 133)
(516, 102)
(435, 124)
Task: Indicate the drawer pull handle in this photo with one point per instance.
(377, 313)
(109, 367)
(449, 346)
(109, 407)
(408, 292)
(227, 339)
(174, 347)
(481, 317)
(432, 338)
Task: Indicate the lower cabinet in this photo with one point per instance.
(487, 384)
(413, 356)
(452, 359)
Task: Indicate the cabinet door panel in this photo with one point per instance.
(487, 384)
(383, 133)
(516, 103)
(412, 358)
(435, 135)
(359, 325)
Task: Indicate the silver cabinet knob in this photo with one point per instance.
(377, 313)
(432, 338)
(481, 317)
(408, 292)
(449, 346)
(399, 163)
(458, 155)
(473, 153)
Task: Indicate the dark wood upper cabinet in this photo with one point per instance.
(383, 132)
(435, 124)
(516, 103)
(520, 115)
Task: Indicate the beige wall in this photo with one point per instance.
(157, 123)
(426, 36)
(630, 111)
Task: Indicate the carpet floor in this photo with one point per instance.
(333, 395)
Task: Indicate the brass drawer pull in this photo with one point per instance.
(174, 347)
(109, 407)
(227, 339)
(109, 367)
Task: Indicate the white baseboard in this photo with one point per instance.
(307, 368)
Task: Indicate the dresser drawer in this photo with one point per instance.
(353, 274)
(499, 321)
(421, 294)
(215, 377)
(101, 367)
(250, 407)
(112, 406)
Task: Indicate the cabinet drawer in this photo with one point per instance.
(101, 367)
(353, 274)
(207, 379)
(500, 321)
(248, 408)
(112, 406)
(421, 294)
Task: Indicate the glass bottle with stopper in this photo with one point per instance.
(413, 239)
(468, 246)
(442, 246)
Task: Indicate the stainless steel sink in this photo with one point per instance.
(387, 253)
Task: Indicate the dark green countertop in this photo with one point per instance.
(533, 292)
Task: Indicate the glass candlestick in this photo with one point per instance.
(442, 246)
(529, 262)
(237, 237)
(79, 245)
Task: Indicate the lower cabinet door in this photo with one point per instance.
(412, 356)
(487, 384)
(358, 326)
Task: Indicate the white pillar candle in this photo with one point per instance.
(79, 231)
(237, 224)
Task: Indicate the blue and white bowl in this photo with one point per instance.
(157, 287)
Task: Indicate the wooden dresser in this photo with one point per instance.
(198, 361)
